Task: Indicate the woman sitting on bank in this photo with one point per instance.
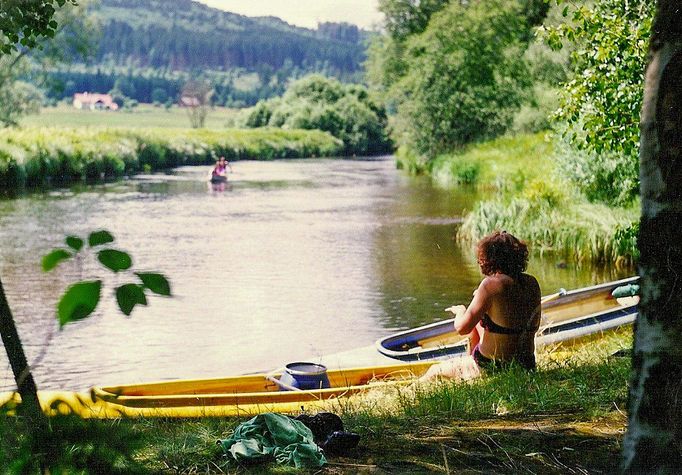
(503, 316)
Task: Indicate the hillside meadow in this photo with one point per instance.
(142, 116)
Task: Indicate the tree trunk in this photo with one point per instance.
(652, 443)
(30, 407)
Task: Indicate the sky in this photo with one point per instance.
(306, 13)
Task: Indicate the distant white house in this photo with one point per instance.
(189, 101)
(93, 101)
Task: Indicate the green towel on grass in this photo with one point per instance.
(272, 435)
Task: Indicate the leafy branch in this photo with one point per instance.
(81, 298)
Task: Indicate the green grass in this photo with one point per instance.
(143, 116)
(506, 163)
(574, 229)
(584, 381)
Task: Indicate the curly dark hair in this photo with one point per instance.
(502, 252)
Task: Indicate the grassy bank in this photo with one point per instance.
(530, 198)
(32, 157)
(565, 418)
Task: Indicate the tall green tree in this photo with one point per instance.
(653, 443)
(316, 102)
(402, 19)
(465, 77)
(69, 33)
(602, 100)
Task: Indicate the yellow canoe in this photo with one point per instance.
(231, 396)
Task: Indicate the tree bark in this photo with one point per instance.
(30, 405)
(653, 441)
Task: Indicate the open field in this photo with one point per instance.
(145, 115)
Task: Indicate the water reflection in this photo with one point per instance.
(291, 259)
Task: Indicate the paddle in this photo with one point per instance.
(271, 377)
(555, 296)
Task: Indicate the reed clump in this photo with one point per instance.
(33, 157)
(530, 198)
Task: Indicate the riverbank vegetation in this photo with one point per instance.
(565, 416)
(531, 197)
(32, 157)
(466, 114)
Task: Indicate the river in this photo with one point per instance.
(291, 260)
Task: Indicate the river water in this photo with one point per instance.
(291, 260)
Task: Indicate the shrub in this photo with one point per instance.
(606, 177)
(316, 102)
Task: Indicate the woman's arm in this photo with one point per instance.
(466, 318)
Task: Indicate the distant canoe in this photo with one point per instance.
(218, 179)
(566, 316)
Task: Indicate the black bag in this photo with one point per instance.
(321, 424)
(328, 433)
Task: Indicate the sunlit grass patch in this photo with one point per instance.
(583, 380)
(143, 116)
(506, 163)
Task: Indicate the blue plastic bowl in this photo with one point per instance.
(305, 376)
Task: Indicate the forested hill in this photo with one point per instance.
(183, 35)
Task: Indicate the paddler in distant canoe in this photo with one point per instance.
(503, 316)
(219, 173)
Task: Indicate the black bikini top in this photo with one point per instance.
(492, 327)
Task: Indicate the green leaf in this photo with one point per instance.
(74, 242)
(157, 283)
(79, 301)
(114, 260)
(51, 260)
(129, 295)
(100, 237)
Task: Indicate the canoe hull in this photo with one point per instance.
(572, 316)
(233, 396)
(400, 359)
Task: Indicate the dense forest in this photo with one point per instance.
(158, 44)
